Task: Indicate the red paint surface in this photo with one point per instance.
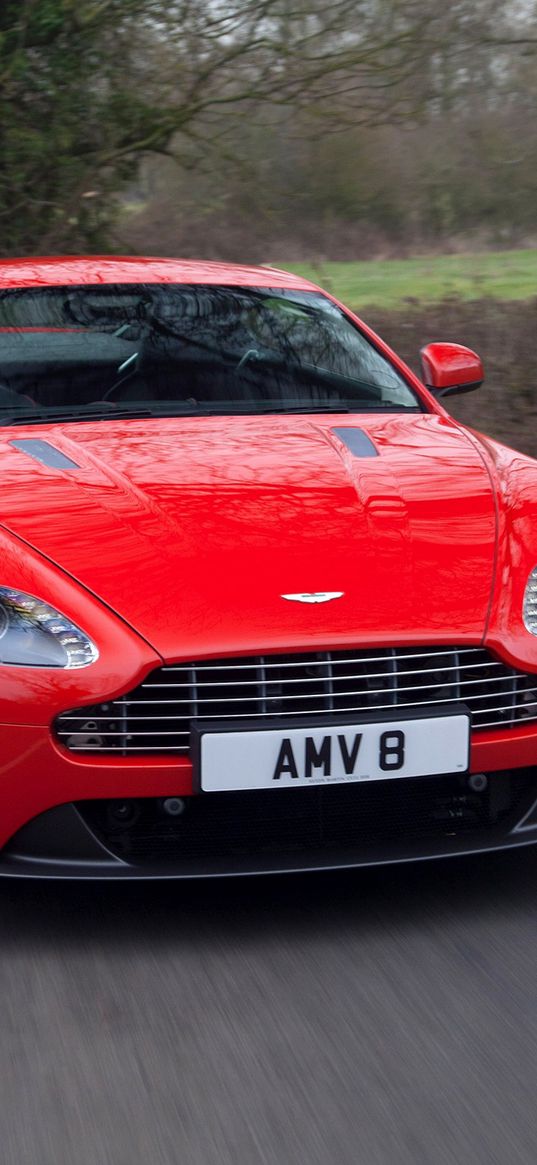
(449, 365)
(70, 270)
(191, 529)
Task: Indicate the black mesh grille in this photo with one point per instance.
(155, 718)
(308, 821)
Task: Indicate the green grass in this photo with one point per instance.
(394, 282)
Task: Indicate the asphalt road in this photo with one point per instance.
(366, 1019)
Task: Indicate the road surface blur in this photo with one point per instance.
(369, 1018)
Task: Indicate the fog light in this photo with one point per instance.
(478, 782)
(123, 813)
(173, 806)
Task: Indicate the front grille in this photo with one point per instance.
(155, 718)
(310, 821)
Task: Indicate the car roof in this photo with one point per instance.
(60, 270)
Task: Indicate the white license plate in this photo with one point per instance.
(299, 756)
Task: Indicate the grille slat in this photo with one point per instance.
(262, 688)
(75, 719)
(260, 699)
(317, 660)
(315, 679)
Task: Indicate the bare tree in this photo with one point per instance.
(89, 87)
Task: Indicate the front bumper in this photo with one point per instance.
(72, 830)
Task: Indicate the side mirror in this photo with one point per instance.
(451, 368)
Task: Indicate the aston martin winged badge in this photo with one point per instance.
(315, 596)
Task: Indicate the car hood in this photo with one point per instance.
(193, 529)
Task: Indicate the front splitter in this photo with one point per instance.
(59, 845)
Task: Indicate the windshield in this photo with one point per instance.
(160, 349)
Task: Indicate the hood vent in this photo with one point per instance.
(357, 441)
(45, 453)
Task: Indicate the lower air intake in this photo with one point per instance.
(312, 821)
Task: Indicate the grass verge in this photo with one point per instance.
(392, 283)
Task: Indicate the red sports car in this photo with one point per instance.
(264, 605)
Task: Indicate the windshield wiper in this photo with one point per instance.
(352, 407)
(258, 408)
(50, 415)
(191, 408)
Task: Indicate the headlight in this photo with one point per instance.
(36, 635)
(530, 603)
